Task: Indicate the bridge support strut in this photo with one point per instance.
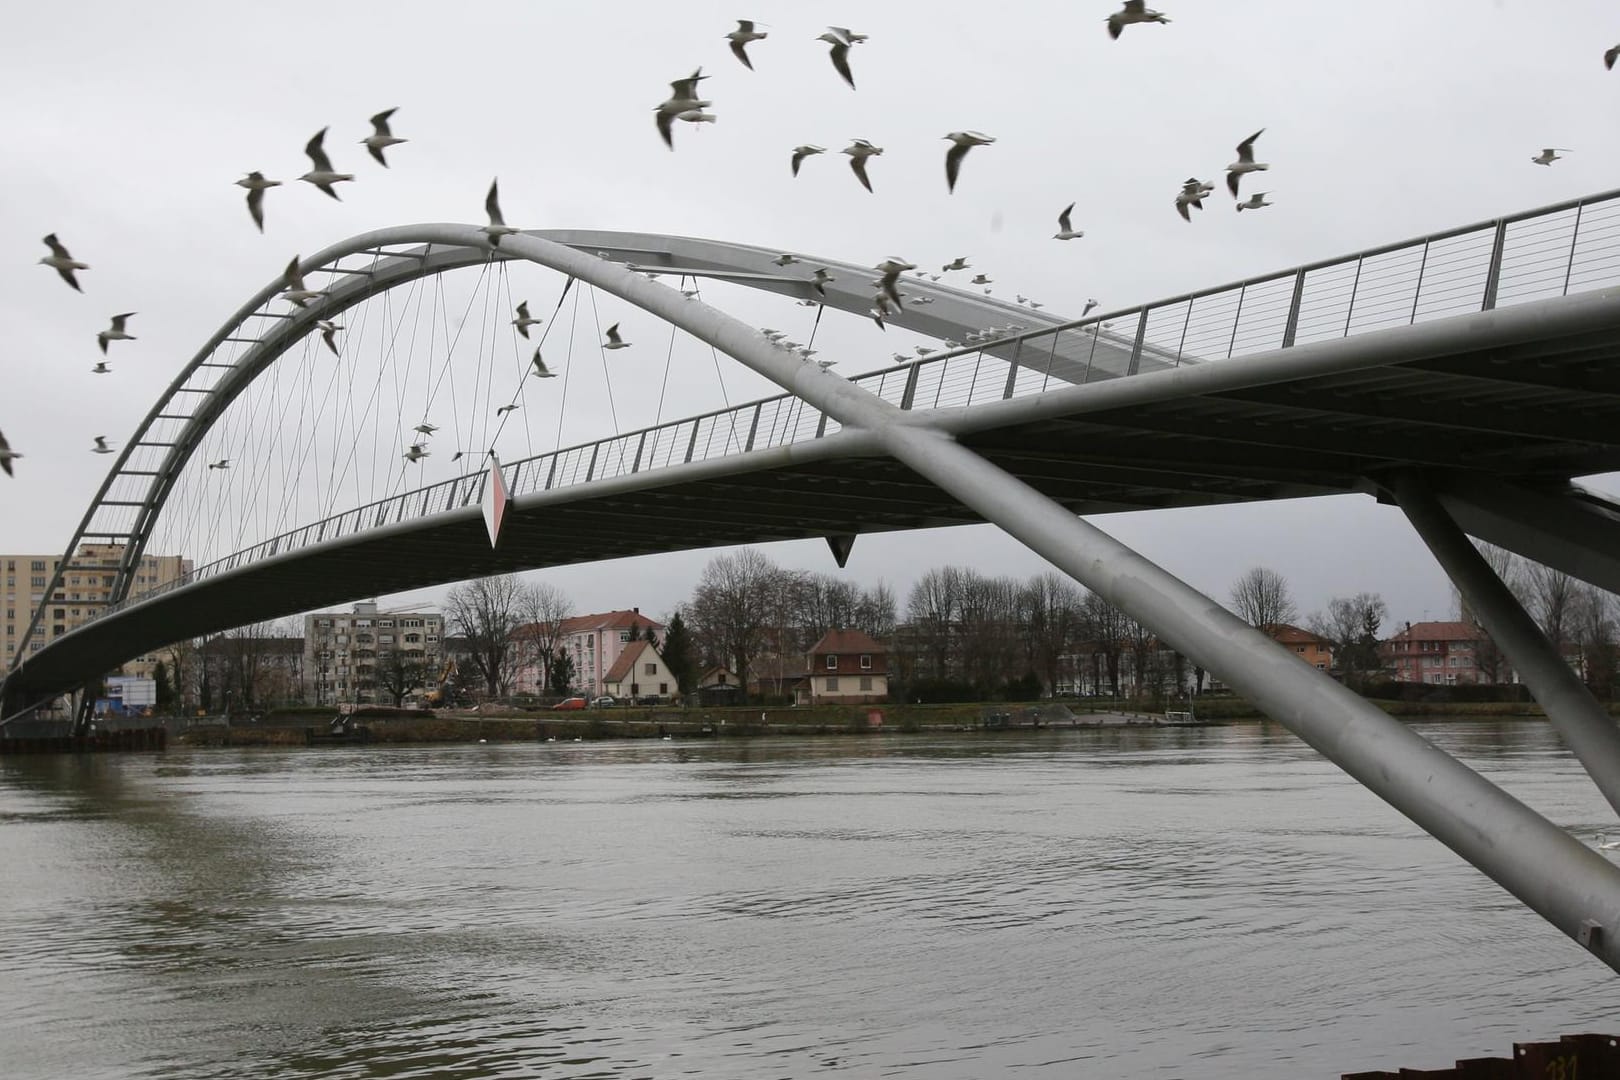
(1584, 724)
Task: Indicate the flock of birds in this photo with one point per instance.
(686, 104)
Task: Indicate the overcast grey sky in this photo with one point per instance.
(126, 124)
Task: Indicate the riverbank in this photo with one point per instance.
(288, 728)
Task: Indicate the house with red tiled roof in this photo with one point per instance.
(845, 667)
(1314, 650)
(594, 642)
(640, 672)
(1443, 654)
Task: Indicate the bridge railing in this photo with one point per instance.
(1551, 251)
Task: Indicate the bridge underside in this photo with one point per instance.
(1331, 418)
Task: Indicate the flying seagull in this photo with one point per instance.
(1134, 11)
(1549, 155)
(540, 370)
(1609, 57)
(891, 269)
(292, 285)
(819, 280)
(839, 52)
(381, 138)
(322, 175)
(101, 446)
(858, 152)
(961, 143)
(958, 263)
(1089, 305)
(1254, 202)
(1244, 164)
(1066, 229)
(524, 320)
(7, 456)
(1192, 194)
(497, 226)
(115, 332)
(328, 331)
(847, 34)
(784, 259)
(740, 38)
(504, 409)
(101, 368)
(256, 185)
(416, 453)
(980, 279)
(613, 339)
(802, 152)
(459, 454)
(222, 463)
(63, 263)
(426, 428)
(683, 99)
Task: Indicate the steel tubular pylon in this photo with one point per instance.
(1584, 724)
(1563, 880)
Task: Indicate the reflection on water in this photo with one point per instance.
(1179, 902)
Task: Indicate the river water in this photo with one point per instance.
(1216, 903)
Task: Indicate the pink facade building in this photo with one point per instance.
(593, 642)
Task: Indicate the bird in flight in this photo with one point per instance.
(819, 280)
(426, 428)
(1254, 202)
(497, 226)
(7, 455)
(1192, 194)
(802, 152)
(1089, 305)
(958, 263)
(504, 409)
(292, 285)
(840, 40)
(101, 446)
(256, 186)
(222, 463)
(328, 334)
(961, 143)
(1134, 11)
(63, 263)
(524, 320)
(980, 279)
(784, 259)
(416, 453)
(1609, 57)
(858, 152)
(1066, 229)
(101, 368)
(115, 332)
(1549, 155)
(613, 339)
(540, 370)
(683, 101)
(1244, 164)
(891, 269)
(323, 175)
(740, 38)
(381, 138)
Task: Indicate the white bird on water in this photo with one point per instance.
(961, 143)
(1550, 155)
(740, 38)
(540, 370)
(1066, 229)
(804, 151)
(256, 186)
(683, 99)
(497, 226)
(614, 341)
(63, 263)
(101, 446)
(7, 455)
(1134, 11)
(292, 285)
(323, 176)
(1245, 163)
(381, 138)
(115, 332)
(858, 152)
(524, 320)
(1254, 202)
(329, 332)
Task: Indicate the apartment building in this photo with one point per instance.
(347, 655)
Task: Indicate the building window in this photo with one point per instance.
(832, 663)
(832, 683)
(866, 682)
(624, 637)
(663, 688)
(649, 669)
(866, 664)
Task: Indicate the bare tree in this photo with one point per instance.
(1552, 599)
(1594, 631)
(1050, 620)
(989, 638)
(1350, 624)
(484, 612)
(874, 612)
(934, 609)
(1261, 598)
(398, 673)
(733, 605)
(1109, 629)
(541, 609)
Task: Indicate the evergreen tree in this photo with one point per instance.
(561, 675)
(165, 692)
(677, 652)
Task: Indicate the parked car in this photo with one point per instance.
(649, 699)
(570, 703)
(604, 702)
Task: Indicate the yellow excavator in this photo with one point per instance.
(440, 695)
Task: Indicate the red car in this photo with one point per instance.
(570, 703)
